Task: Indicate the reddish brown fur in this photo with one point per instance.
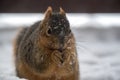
(55, 69)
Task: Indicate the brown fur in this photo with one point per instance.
(44, 55)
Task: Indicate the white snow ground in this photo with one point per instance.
(81, 20)
(98, 59)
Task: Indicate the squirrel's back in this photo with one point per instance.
(23, 34)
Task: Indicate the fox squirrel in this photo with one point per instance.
(46, 50)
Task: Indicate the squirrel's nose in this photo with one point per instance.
(61, 34)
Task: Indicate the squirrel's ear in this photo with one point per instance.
(62, 12)
(48, 12)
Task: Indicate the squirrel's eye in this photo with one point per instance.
(49, 31)
(69, 31)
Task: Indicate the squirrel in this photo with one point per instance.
(46, 50)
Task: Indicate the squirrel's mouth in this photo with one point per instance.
(59, 45)
(58, 49)
(61, 48)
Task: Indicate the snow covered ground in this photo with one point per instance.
(98, 52)
(76, 19)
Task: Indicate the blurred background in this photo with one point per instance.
(95, 24)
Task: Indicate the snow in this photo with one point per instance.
(83, 20)
(99, 58)
(100, 61)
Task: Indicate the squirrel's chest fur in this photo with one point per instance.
(46, 51)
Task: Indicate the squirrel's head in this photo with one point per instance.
(55, 30)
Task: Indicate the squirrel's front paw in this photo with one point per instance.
(57, 57)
